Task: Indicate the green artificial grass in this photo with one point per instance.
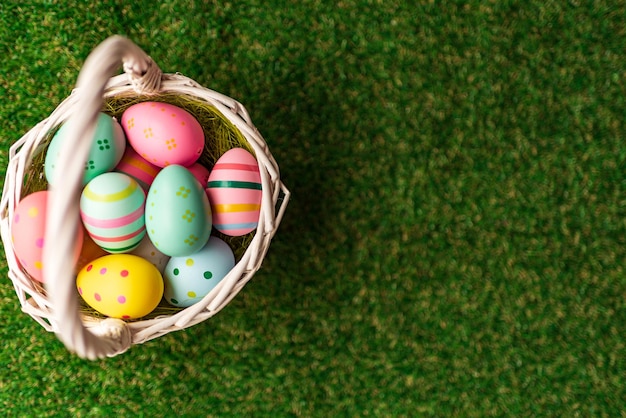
(454, 245)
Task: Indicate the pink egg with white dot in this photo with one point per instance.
(28, 227)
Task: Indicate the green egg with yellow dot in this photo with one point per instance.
(178, 214)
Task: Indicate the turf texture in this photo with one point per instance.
(454, 242)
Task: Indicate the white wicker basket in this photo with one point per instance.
(56, 307)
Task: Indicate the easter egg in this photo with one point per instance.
(89, 251)
(28, 227)
(188, 279)
(178, 214)
(138, 168)
(163, 134)
(148, 251)
(234, 190)
(121, 286)
(200, 172)
(107, 148)
(112, 210)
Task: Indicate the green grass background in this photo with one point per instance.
(455, 241)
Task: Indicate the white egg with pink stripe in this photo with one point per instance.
(112, 207)
(234, 191)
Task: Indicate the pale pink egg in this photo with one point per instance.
(28, 227)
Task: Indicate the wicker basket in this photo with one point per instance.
(56, 307)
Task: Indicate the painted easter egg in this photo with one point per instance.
(234, 190)
(148, 251)
(112, 210)
(178, 214)
(28, 227)
(107, 148)
(188, 279)
(137, 167)
(121, 286)
(163, 134)
(200, 172)
(89, 251)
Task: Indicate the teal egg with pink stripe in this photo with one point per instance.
(112, 208)
(235, 192)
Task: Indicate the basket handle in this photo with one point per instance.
(111, 337)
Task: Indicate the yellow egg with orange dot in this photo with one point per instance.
(122, 286)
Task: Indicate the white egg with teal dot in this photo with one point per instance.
(107, 147)
(189, 279)
(149, 252)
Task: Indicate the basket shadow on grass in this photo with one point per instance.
(297, 254)
(297, 128)
(299, 269)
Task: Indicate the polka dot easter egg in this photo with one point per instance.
(138, 168)
(234, 190)
(121, 286)
(163, 134)
(107, 148)
(178, 214)
(28, 227)
(189, 279)
(112, 209)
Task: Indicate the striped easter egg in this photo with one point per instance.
(234, 191)
(138, 168)
(112, 209)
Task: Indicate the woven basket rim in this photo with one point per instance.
(34, 301)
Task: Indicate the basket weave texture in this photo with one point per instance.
(56, 307)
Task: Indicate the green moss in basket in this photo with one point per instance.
(34, 179)
(220, 136)
(163, 309)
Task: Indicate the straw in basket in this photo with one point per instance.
(57, 306)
